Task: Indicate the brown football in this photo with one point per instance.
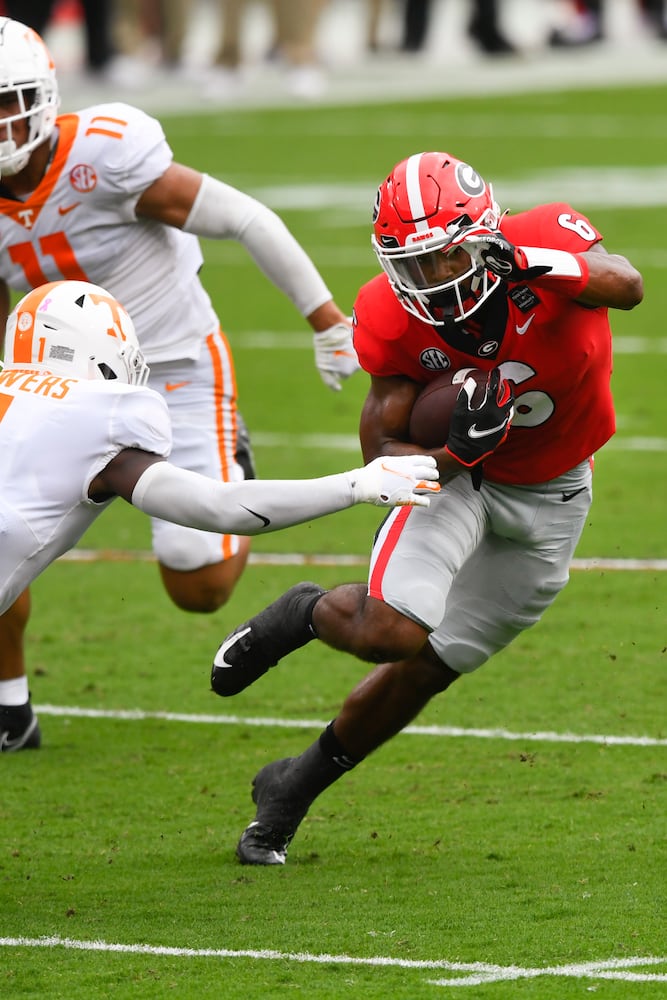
(432, 411)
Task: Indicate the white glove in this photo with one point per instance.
(396, 481)
(335, 356)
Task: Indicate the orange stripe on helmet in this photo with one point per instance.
(25, 323)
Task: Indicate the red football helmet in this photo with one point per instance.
(427, 201)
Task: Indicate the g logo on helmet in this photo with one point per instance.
(469, 180)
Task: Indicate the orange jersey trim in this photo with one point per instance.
(68, 125)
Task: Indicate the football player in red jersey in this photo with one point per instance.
(525, 297)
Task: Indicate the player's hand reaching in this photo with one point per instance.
(490, 249)
(476, 431)
(335, 356)
(396, 481)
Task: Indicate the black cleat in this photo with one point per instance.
(252, 648)
(19, 729)
(266, 839)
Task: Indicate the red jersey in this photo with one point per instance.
(556, 353)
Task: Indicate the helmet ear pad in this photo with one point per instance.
(426, 201)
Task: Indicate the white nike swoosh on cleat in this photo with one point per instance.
(7, 744)
(231, 640)
(280, 856)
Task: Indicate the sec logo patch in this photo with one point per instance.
(83, 178)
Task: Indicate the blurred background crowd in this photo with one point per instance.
(127, 44)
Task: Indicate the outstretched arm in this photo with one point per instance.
(255, 506)
(200, 204)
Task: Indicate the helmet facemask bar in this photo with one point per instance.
(454, 298)
(421, 213)
(28, 83)
(31, 109)
(135, 364)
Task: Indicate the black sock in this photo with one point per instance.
(332, 748)
(322, 763)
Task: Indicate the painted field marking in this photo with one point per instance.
(327, 559)
(138, 715)
(480, 973)
(350, 442)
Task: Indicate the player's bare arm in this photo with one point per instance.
(592, 277)
(170, 198)
(384, 427)
(612, 280)
(200, 204)
(474, 429)
(121, 475)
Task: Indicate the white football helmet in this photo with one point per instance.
(426, 202)
(27, 74)
(77, 329)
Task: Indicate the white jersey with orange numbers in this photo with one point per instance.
(56, 435)
(80, 223)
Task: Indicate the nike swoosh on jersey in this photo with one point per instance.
(473, 431)
(522, 329)
(231, 640)
(569, 496)
(265, 520)
(172, 386)
(64, 209)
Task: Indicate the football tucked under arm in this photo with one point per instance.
(433, 408)
(477, 429)
(259, 506)
(468, 412)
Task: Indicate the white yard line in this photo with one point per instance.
(327, 559)
(137, 715)
(478, 973)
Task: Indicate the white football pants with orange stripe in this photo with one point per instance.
(201, 396)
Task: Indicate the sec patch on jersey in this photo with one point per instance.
(433, 407)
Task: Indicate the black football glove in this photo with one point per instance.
(490, 249)
(476, 432)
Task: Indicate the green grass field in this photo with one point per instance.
(513, 842)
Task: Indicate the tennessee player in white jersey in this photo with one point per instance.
(96, 196)
(79, 426)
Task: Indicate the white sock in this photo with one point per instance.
(14, 692)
